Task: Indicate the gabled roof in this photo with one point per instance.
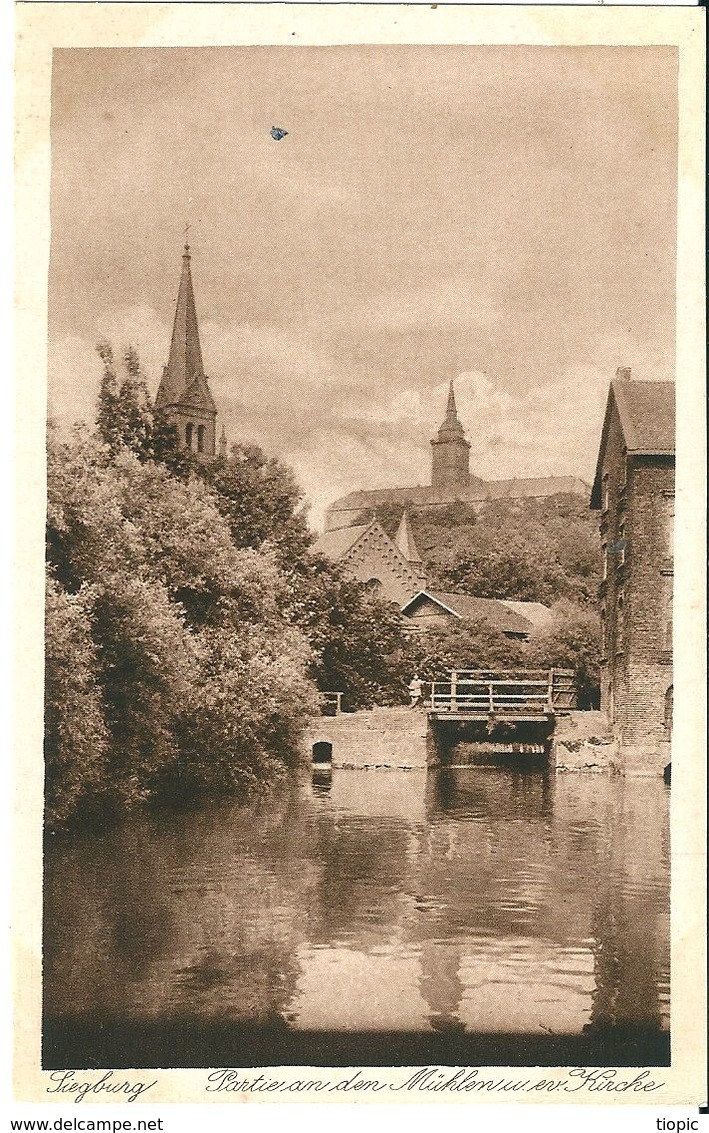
(335, 544)
(491, 610)
(646, 412)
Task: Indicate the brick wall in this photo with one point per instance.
(374, 556)
(636, 600)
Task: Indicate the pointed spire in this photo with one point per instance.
(451, 426)
(184, 368)
(404, 540)
(451, 411)
(222, 444)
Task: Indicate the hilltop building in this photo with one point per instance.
(451, 480)
(183, 396)
(634, 491)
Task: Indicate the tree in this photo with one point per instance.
(75, 733)
(357, 639)
(463, 644)
(262, 502)
(125, 411)
(572, 641)
(524, 550)
(201, 681)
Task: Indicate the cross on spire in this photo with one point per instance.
(186, 232)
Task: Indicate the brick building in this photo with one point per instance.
(634, 493)
(391, 567)
(183, 396)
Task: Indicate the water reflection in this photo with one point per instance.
(473, 900)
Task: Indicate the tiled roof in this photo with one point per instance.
(647, 416)
(535, 612)
(335, 544)
(184, 365)
(494, 612)
(646, 411)
(478, 491)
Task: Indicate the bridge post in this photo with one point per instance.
(550, 691)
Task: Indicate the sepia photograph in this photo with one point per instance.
(360, 497)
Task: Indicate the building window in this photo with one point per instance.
(623, 469)
(604, 548)
(606, 492)
(669, 697)
(671, 526)
(200, 438)
(621, 544)
(604, 630)
(667, 616)
(189, 430)
(620, 623)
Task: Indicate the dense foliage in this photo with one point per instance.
(571, 641)
(187, 677)
(537, 550)
(189, 623)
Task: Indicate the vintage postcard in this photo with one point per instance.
(360, 468)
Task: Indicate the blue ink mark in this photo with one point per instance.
(277, 133)
(618, 546)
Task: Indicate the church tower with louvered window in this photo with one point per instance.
(183, 397)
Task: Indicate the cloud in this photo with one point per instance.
(449, 302)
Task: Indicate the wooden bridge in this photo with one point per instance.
(512, 695)
(496, 713)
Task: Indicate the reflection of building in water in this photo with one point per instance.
(440, 983)
(631, 912)
(507, 902)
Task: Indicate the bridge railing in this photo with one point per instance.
(560, 683)
(330, 703)
(510, 692)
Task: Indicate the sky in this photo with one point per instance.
(501, 216)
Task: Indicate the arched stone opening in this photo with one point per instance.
(322, 752)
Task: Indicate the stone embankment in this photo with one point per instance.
(388, 738)
(378, 738)
(583, 741)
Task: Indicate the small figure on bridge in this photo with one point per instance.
(415, 690)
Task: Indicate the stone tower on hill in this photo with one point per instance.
(451, 480)
(450, 451)
(183, 397)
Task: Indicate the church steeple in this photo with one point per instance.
(184, 396)
(451, 451)
(451, 427)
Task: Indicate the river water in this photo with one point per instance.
(468, 902)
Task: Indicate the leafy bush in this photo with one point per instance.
(198, 679)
